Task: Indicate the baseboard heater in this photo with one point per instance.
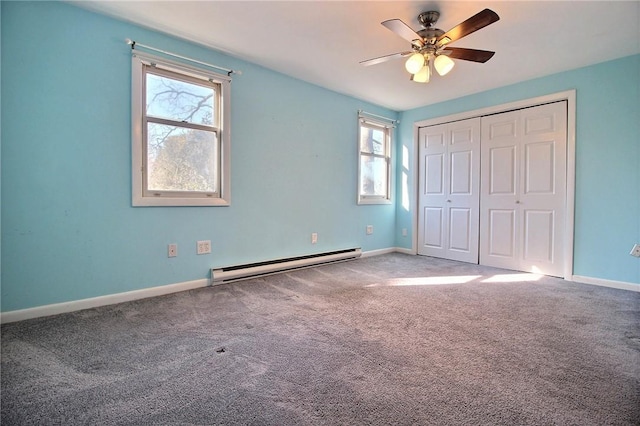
(252, 270)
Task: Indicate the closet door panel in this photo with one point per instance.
(432, 192)
(449, 173)
(523, 181)
(502, 235)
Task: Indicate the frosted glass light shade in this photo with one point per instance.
(423, 75)
(443, 64)
(414, 63)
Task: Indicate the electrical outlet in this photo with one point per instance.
(404, 232)
(203, 247)
(172, 250)
(369, 229)
(314, 238)
(635, 251)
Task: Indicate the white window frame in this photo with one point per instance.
(140, 195)
(363, 121)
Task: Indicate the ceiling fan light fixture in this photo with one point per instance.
(415, 63)
(428, 44)
(443, 64)
(423, 75)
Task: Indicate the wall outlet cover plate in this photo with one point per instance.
(203, 247)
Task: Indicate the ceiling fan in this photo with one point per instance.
(429, 46)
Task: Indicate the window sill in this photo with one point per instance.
(179, 202)
(374, 201)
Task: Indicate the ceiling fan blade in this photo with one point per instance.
(404, 31)
(385, 58)
(476, 22)
(469, 54)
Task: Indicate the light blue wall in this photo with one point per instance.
(0, 155)
(68, 229)
(607, 201)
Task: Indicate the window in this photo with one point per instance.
(374, 169)
(180, 134)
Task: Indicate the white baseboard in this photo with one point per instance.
(94, 302)
(387, 250)
(405, 251)
(371, 253)
(622, 285)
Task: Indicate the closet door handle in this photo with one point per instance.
(517, 201)
(448, 201)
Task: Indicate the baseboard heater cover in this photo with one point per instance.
(252, 270)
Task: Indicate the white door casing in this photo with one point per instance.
(523, 189)
(449, 190)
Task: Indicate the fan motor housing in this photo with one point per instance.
(430, 34)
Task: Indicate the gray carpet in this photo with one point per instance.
(376, 341)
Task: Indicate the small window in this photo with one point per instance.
(180, 134)
(374, 167)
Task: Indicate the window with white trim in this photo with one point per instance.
(374, 161)
(180, 134)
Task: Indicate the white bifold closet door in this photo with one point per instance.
(523, 189)
(449, 190)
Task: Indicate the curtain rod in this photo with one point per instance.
(134, 44)
(361, 112)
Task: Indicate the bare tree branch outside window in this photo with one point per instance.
(179, 157)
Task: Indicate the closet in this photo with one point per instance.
(492, 189)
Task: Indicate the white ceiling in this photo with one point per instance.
(322, 42)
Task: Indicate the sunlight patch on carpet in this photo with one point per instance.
(455, 279)
(512, 278)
